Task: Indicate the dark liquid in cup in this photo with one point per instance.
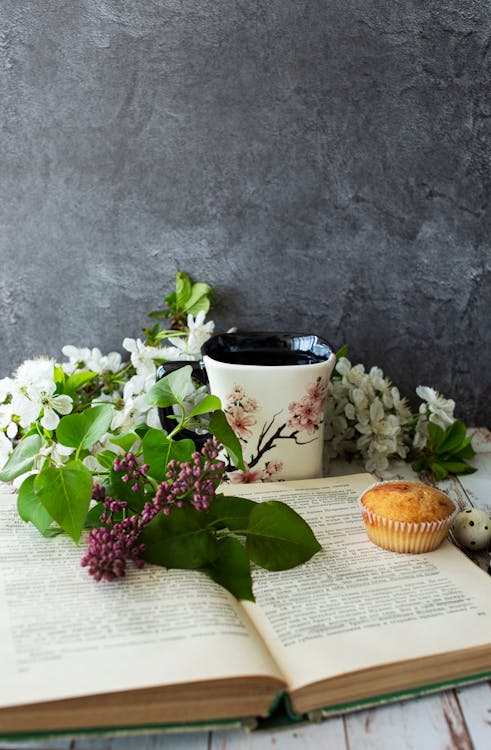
(267, 357)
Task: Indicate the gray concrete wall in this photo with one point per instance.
(323, 164)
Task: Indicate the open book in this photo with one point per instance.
(353, 626)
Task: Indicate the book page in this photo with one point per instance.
(62, 634)
(354, 605)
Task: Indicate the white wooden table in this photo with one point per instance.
(453, 720)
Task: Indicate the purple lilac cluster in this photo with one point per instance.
(193, 481)
(132, 471)
(110, 549)
(110, 504)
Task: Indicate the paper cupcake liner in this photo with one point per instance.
(404, 536)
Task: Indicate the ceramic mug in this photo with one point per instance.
(273, 389)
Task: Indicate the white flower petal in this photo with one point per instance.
(62, 404)
(12, 430)
(7, 386)
(153, 418)
(50, 420)
(131, 345)
(426, 393)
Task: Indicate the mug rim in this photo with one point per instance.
(294, 342)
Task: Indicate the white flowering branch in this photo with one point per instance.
(367, 417)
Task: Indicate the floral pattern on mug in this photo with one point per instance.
(308, 413)
(267, 474)
(305, 418)
(240, 410)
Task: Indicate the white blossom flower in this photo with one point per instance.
(189, 347)
(143, 357)
(366, 415)
(56, 451)
(52, 407)
(439, 409)
(135, 408)
(25, 407)
(400, 405)
(185, 349)
(199, 331)
(33, 392)
(34, 387)
(339, 433)
(90, 359)
(378, 380)
(77, 358)
(37, 374)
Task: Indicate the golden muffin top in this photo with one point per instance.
(413, 502)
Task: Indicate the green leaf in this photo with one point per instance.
(85, 429)
(156, 453)
(418, 465)
(22, 459)
(180, 540)
(125, 441)
(342, 352)
(141, 430)
(436, 434)
(182, 450)
(106, 458)
(458, 467)
(232, 512)
(202, 304)
(93, 517)
(59, 377)
(232, 569)
(158, 450)
(183, 289)
(115, 487)
(455, 436)
(172, 389)
(278, 538)
(198, 299)
(30, 507)
(438, 470)
(158, 314)
(170, 300)
(77, 381)
(466, 452)
(220, 428)
(206, 405)
(66, 492)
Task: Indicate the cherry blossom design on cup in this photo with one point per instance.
(301, 425)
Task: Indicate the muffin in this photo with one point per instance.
(406, 516)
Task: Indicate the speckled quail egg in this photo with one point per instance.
(472, 529)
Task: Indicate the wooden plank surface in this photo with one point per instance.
(475, 704)
(330, 734)
(431, 723)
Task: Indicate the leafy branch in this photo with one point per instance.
(446, 452)
(188, 299)
(154, 498)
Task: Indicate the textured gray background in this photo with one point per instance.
(323, 164)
